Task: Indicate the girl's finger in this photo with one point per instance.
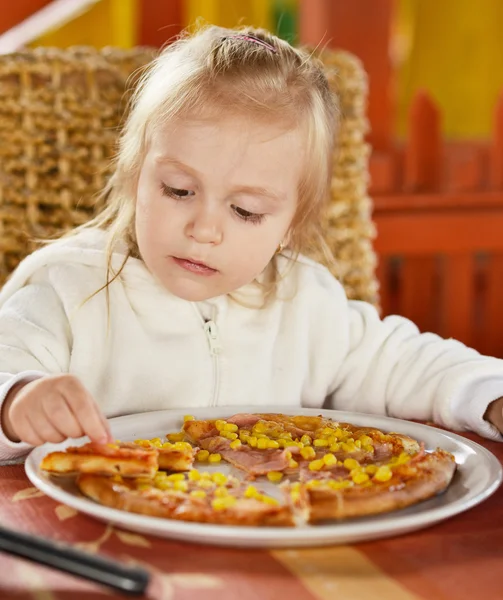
(62, 418)
(45, 429)
(89, 416)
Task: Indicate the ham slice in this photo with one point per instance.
(254, 462)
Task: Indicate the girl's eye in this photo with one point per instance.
(246, 215)
(175, 192)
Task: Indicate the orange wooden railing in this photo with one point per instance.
(438, 205)
(439, 218)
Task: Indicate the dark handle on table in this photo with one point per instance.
(130, 580)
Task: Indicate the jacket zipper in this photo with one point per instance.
(211, 331)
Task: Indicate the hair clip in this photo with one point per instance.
(255, 40)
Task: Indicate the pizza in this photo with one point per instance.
(192, 496)
(129, 459)
(324, 470)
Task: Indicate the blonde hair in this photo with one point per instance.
(218, 67)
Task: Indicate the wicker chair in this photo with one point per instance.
(60, 112)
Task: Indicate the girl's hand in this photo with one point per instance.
(494, 414)
(51, 409)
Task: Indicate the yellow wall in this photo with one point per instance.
(454, 49)
(229, 13)
(107, 23)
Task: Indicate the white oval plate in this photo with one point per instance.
(478, 476)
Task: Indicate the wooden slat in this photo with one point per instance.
(159, 21)
(422, 168)
(383, 274)
(437, 201)
(492, 316)
(418, 292)
(423, 153)
(363, 27)
(458, 279)
(315, 17)
(496, 160)
(439, 232)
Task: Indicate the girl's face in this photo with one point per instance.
(214, 201)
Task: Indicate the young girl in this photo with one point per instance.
(181, 295)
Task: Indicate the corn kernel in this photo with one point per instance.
(194, 475)
(327, 431)
(268, 500)
(262, 443)
(403, 458)
(163, 484)
(235, 444)
(229, 435)
(223, 503)
(205, 474)
(366, 440)
(144, 487)
(272, 444)
(340, 485)
(293, 464)
(307, 452)
(221, 492)
(182, 446)
(180, 486)
(231, 427)
(335, 447)
(176, 437)
(360, 477)
(219, 478)
(220, 424)
(202, 455)
(320, 443)
(371, 469)
(295, 492)
(205, 484)
(198, 494)
(251, 492)
(252, 441)
(169, 445)
(306, 440)
(383, 474)
(329, 460)
(188, 418)
(260, 427)
(368, 448)
(316, 465)
(351, 463)
(358, 444)
(176, 477)
(274, 476)
(214, 458)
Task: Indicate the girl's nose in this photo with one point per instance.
(205, 227)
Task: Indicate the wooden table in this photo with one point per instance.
(460, 558)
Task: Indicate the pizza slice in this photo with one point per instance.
(102, 459)
(129, 459)
(362, 490)
(192, 496)
(172, 456)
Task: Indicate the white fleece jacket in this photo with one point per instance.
(309, 347)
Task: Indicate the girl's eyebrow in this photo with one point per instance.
(253, 190)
